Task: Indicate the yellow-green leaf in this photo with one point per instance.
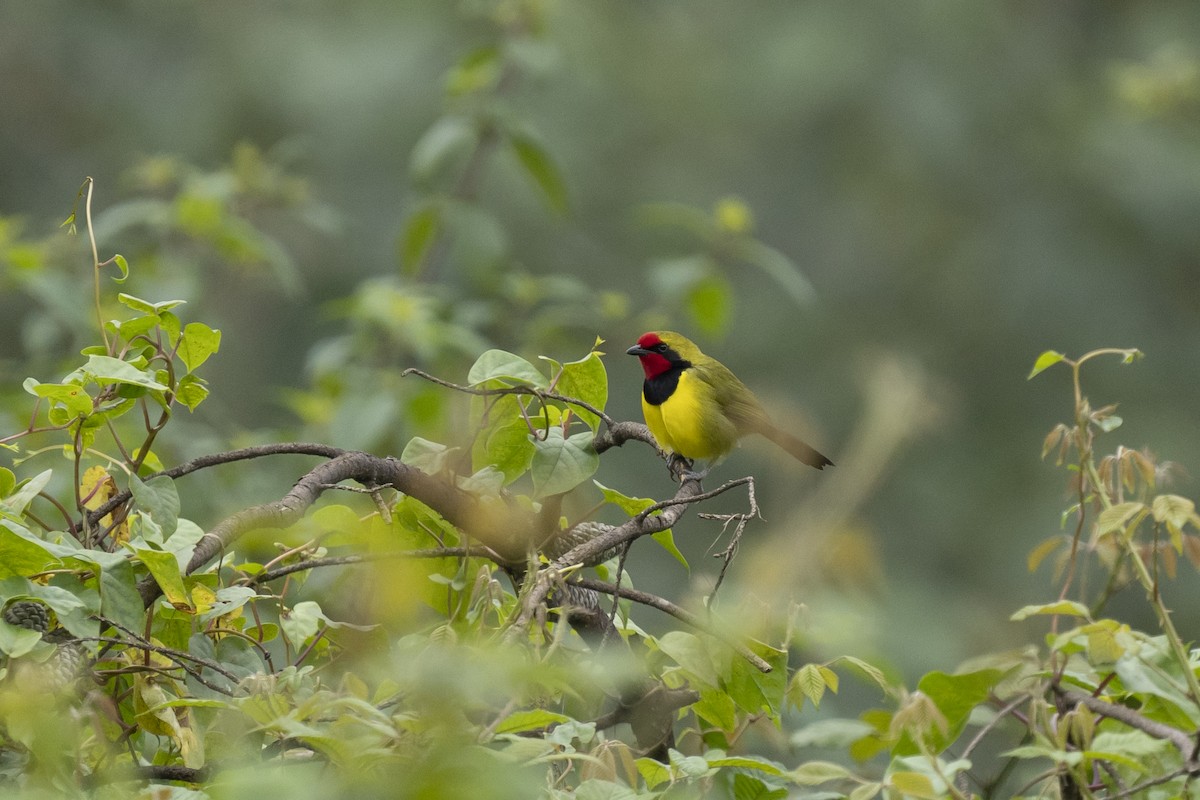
(1045, 360)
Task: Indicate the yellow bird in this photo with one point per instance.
(697, 408)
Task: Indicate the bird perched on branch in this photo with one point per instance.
(696, 408)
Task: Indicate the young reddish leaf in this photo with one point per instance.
(1038, 554)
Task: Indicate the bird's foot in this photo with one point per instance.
(682, 468)
(679, 466)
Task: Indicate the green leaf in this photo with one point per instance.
(104, 369)
(70, 396)
(561, 463)
(586, 380)
(119, 598)
(865, 792)
(816, 772)
(21, 553)
(630, 505)
(123, 266)
(808, 682)
(749, 787)
(229, 599)
(955, 696)
(1067, 607)
(666, 540)
(198, 343)
(304, 620)
(539, 166)
(689, 766)
(755, 691)
(164, 567)
(498, 365)
(8, 482)
(159, 498)
(686, 650)
(17, 641)
(709, 302)
(717, 707)
(653, 772)
(531, 720)
(1113, 518)
(1045, 360)
(749, 762)
(71, 607)
(448, 139)
(191, 391)
(913, 784)
(1174, 512)
(597, 789)
(429, 457)
(16, 502)
(137, 304)
(779, 267)
(476, 71)
(1132, 743)
(420, 232)
(871, 671)
(131, 328)
(509, 448)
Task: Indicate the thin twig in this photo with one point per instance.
(616, 595)
(177, 656)
(1146, 784)
(729, 552)
(528, 391)
(337, 561)
(680, 613)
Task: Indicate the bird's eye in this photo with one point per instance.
(662, 347)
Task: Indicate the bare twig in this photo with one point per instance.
(729, 552)
(527, 391)
(336, 561)
(641, 525)
(680, 613)
(677, 500)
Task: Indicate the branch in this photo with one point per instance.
(503, 529)
(337, 561)
(1133, 719)
(680, 613)
(286, 448)
(618, 433)
(633, 528)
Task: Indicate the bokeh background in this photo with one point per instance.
(959, 185)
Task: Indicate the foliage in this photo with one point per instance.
(239, 664)
(441, 634)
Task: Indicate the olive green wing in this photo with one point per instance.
(742, 408)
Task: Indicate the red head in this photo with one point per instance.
(656, 353)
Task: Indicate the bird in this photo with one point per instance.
(697, 409)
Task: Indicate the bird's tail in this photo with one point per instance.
(798, 449)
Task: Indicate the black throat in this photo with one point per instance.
(656, 390)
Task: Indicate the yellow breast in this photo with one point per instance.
(690, 422)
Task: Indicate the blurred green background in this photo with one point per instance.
(963, 184)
